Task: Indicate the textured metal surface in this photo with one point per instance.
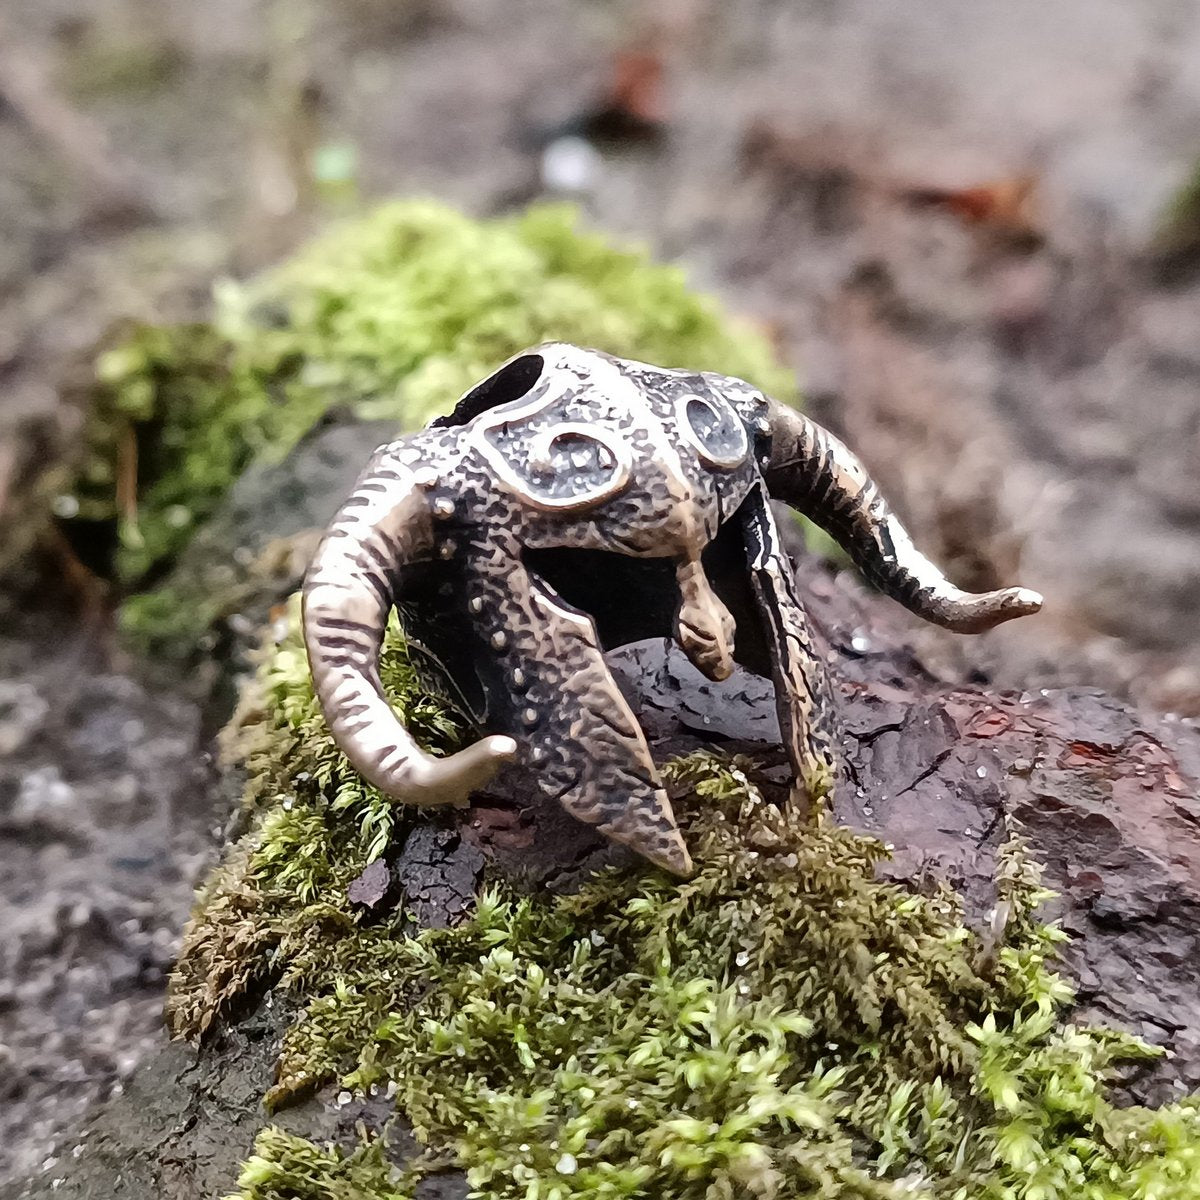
(501, 533)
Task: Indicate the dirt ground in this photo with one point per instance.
(951, 218)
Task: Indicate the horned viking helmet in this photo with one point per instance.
(571, 503)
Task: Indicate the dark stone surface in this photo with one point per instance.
(108, 804)
(371, 886)
(438, 872)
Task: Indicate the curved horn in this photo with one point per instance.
(348, 595)
(814, 472)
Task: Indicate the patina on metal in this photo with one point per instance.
(571, 503)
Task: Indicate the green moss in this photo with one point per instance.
(392, 315)
(286, 1167)
(782, 1024)
(280, 897)
(1176, 238)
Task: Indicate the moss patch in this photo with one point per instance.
(783, 1024)
(392, 316)
(287, 1167)
(279, 899)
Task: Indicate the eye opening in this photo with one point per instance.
(714, 430)
(511, 382)
(702, 417)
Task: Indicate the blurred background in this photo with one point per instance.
(972, 231)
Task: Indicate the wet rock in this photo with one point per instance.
(371, 886)
(439, 871)
(105, 803)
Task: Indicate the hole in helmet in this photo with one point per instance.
(511, 382)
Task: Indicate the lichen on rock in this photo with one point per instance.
(782, 1024)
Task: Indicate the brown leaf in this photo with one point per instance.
(1081, 752)
(989, 724)
(637, 85)
(632, 106)
(1002, 204)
